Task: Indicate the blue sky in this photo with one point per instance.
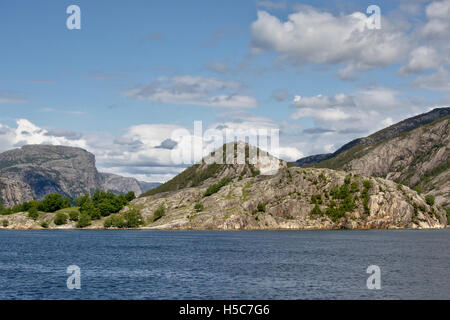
(137, 66)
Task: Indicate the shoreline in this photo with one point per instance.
(225, 230)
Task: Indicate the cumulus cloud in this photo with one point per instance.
(431, 42)
(313, 36)
(195, 90)
(421, 59)
(438, 25)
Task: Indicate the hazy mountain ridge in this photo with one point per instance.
(44, 169)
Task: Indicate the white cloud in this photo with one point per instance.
(421, 59)
(438, 25)
(312, 36)
(202, 91)
(437, 81)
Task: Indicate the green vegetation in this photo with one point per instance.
(261, 207)
(430, 200)
(44, 224)
(33, 213)
(255, 172)
(365, 195)
(316, 199)
(5, 223)
(74, 215)
(101, 204)
(133, 218)
(60, 219)
(199, 207)
(84, 220)
(191, 177)
(159, 213)
(448, 216)
(316, 210)
(53, 202)
(216, 187)
(130, 219)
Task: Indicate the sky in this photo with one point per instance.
(137, 71)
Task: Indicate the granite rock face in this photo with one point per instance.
(420, 158)
(13, 192)
(286, 200)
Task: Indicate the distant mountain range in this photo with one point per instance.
(33, 171)
(414, 152)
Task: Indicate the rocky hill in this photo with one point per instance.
(380, 136)
(234, 197)
(37, 170)
(419, 158)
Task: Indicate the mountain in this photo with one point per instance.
(208, 171)
(239, 196)
(380, 136)
(419, 158)
(44, 169)
(120, 184)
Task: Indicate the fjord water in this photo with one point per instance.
(225, 265)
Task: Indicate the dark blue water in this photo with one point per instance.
(225, 265)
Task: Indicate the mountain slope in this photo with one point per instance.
(379, 136)
(208, 172)
(292, 198)
(45, 169)
(418, 158)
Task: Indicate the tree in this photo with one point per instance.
(430, 200)
(261, 207)
(33, 213)
(51, 203)
(73, 215)
(60, 219)
(133, 218)
(88, 208)
(159, 213)
(84, 220)
(66, 203)
(130, 196)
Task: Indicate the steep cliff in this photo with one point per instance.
(45, 169)
(13, 192)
